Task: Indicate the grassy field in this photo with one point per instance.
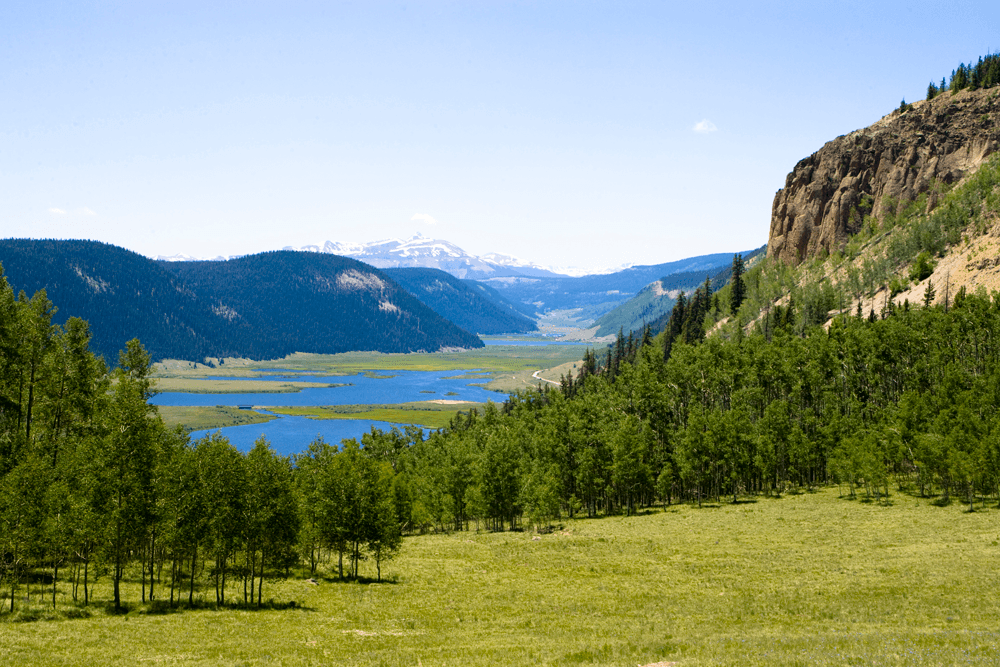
(810, 579)
(421, 413)
(200, 418)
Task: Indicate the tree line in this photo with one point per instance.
(905, 400)
(983, 74)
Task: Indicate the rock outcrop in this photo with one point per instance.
(880, 168)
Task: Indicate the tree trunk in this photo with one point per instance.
(260, 584)
(152, 564)
(118, 578)
(194, 558)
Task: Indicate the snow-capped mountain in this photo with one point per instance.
(432, 253)
(423, 252)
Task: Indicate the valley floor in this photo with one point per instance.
(808, 579)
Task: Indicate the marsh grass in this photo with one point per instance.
(240, 386)
(421, 413)
(198, 418)
(504, 359)
(808, 579)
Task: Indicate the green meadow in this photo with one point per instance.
(807, 579)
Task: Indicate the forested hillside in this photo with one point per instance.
(652, 305)
(457, 301)
(527, 309)
(121, 293)
(261, 307)
(282, 302)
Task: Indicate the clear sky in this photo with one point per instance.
(585, 134)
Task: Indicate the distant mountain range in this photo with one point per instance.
(653, 303)
(590, 297)
(531, 289)
(420, 251)
(465, 302)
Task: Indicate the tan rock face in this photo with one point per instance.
(888, 164)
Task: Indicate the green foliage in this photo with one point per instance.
(984, 74)
(922, 267)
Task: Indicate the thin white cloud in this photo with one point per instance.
(705, 126)
(85, 211)
(57, 211)
(423, 217)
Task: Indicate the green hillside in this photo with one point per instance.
(282, 302)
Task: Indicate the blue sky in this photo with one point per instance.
(585, 134)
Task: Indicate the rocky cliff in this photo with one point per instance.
(886, 165)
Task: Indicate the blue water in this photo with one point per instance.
(290, 435)
(401, 387)
(536, 342)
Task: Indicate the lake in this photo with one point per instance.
(379, 387)
(290, 435)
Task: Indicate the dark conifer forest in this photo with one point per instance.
(282, 302)
(260, 306)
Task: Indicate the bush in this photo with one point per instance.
(922, 267)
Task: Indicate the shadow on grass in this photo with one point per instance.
(76, 611)
(389, 580)
(163, 607)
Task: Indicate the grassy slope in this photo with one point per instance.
(875, 265)
(808, 579)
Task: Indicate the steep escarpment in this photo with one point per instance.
(878, 170)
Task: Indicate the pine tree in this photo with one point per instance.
(738, 286)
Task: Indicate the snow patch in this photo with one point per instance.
(388, 307)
